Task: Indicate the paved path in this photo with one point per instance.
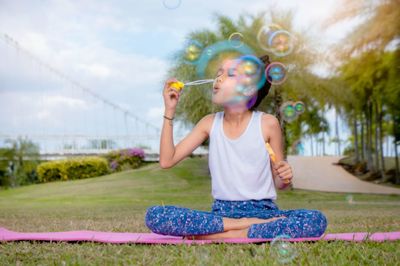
(320, 173)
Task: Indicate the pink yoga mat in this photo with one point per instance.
(151, 238)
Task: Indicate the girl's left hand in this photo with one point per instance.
(284, 171)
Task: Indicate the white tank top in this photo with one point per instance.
(240, 168)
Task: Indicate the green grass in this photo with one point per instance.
(118, 203)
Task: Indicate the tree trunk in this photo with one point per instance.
(337, 133)
(323, 143)
(397, 163)
(362, 135)
(277, 104)
(355, 133)
(312, 146)
(379, 125)
(376, 139)
(370, 163)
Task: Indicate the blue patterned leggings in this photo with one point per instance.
(179, 221)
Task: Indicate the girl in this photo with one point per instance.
(243, 177)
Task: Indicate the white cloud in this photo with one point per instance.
(117, 49)
(97, 70)
(155, 112)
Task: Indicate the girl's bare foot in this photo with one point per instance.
(254, 220)
(242, 223)
(236, 233)
(241, 233)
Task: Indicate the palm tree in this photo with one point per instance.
(364, 62)
(302, 84)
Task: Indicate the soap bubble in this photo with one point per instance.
(264, 35)
(272, 38)
(299, 107)
(192, 52)
(236, 39)
(250, 77)
(214, 54)
(171, 4)
(281, 43)
(288, 112)
(276, 73)
(282, 250)
(250, 71)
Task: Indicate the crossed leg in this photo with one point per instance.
(234, 228)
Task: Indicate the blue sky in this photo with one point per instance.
(118, 49)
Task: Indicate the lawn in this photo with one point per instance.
(118, 203)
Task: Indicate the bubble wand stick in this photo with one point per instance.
(178, 85)
(273, 157)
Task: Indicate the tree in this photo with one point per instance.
(301, 84)
(20, 160)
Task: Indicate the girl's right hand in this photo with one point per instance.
(171, 95)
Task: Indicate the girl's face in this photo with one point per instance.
(227, 85)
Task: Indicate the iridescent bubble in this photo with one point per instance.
(192, 52)
(171, 4)
(209, 62)
(276, 73)
(288, 112)
(264, 35)
(272, 38)
(281, 43)
(236, 39)
(282, 250)
(300, 107)
(250, 71)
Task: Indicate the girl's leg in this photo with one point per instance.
(298, 223)
(179, 221)
(236, 233)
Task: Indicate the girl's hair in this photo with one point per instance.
(263, 91)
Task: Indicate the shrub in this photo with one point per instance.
(125, 159)
(70, 169)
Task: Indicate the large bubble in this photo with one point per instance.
(276, 73)
(250, 72)
(250, 77)
(213, 56)
(282, 250)
(274, 39)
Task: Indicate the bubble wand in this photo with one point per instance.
(178, 85)
(273, 157)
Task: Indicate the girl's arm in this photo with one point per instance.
(169, 154)
(281, 170)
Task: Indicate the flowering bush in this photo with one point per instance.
(125, 159)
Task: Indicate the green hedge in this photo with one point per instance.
(70, 169)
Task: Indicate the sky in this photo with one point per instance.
(120, 50)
